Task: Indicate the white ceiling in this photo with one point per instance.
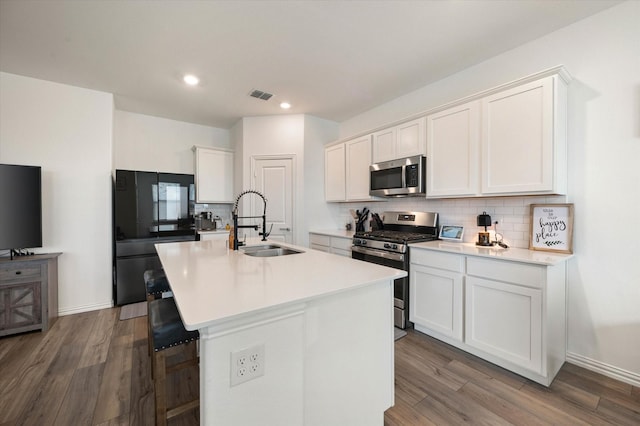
(331, 59)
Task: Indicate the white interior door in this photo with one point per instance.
(274, 178)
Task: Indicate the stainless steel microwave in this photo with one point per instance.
(403, 177)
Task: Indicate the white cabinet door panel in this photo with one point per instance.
(410, 138)
(404, 140)
(436, 300)
(384, 145)
(335, 173)
(213, 175)
(358, 157)
(505, 320)
(453, 151)
(517, 139)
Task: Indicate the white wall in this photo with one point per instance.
(602, 54)
(276, 135)
(302, 136)
(317, 213)
(68, 132)
(144, 142)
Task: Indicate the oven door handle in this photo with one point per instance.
(379, 253)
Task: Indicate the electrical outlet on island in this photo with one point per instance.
(247, 364)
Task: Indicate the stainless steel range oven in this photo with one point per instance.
(389, 247)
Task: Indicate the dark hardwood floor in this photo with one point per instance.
(441, 385)
(92, 369)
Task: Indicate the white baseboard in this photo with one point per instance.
(604, 369)
(85, 308)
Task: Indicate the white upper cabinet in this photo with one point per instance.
(524, 139)
(214, 175)
(404, 140)
(358, 157)
(507, 142)
(384, 145)
(453, 151)
(334, 173)
(346, 172)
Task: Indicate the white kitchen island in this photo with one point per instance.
(322, 326)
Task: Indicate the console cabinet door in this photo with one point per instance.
(453, 151)
(214, 175)
(335, 173)
(518, 139)
(504, 320)
(20, 306)
(436, 299)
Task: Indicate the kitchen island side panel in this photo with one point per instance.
(327, 361)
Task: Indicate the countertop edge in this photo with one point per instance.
(511, 254)
(284, 306)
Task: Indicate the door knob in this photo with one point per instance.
(285, 229)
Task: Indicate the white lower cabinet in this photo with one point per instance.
(436, 301)
(510, 313)
(505, 320)
(331, 244)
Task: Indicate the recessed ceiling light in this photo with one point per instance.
(285, 105)
(191, 79)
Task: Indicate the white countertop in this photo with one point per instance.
(212, 283)
(496, 252)
(333, 232)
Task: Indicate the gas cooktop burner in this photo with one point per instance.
(395, 236)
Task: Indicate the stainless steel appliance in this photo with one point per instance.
(398, 178)
(389, 247)
(148, 208)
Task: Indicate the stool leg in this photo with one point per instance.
(149, 336)
(160, 387)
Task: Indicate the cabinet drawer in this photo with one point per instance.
(512, 272)
(341, 243)
(434, 259)
(320, 247)
(13, 274)
(323, 240)
(340, 252)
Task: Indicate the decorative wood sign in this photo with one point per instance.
(551, 227)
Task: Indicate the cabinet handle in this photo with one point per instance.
(285, 229)
(18, 272)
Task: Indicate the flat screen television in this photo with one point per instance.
(20, 207)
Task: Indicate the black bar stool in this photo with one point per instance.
(167, 334)
(156, 282)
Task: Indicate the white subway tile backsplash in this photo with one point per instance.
(503, 211)
(512, 213)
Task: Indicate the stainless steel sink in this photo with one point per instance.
(268, 250)
(247, 249)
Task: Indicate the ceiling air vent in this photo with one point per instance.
(260, 95)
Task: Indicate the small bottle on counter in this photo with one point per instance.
(230, 237)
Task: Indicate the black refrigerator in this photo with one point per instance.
(148, 208)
